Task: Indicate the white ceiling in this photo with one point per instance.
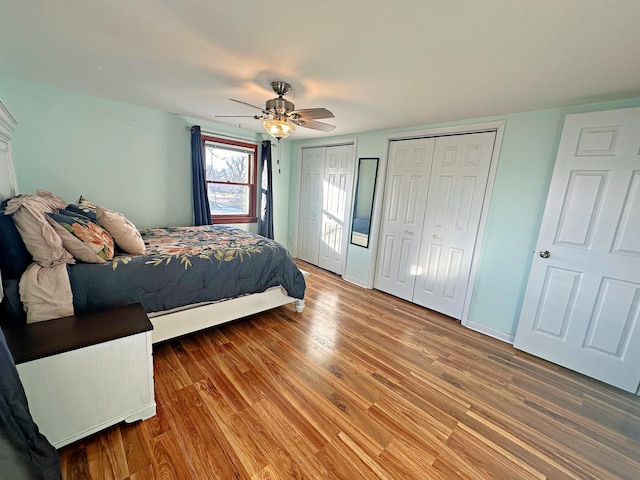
(375, 64)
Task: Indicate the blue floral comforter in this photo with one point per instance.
(186, 265)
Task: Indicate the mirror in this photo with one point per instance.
(363, 204)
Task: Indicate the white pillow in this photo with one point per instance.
(123, 231)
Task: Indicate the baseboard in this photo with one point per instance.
(492, 332)
(355, 281)
(142, 414)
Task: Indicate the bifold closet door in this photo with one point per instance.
(336, 207)
(405, 198)
(310, 210)
(433, 202)
(325, 205)
(457, 185)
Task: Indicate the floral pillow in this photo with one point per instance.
(86, 240)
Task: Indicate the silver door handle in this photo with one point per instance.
(545, 254)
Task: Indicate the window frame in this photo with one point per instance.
(252, 181)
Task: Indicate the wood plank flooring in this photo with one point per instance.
(362, 385)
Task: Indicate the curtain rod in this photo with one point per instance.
(227, 137)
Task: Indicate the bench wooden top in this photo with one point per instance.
(51, 337)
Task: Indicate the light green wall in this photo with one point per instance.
(131, 159)
(137, 160)
(522, 180)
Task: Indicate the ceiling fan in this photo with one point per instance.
(280, 117)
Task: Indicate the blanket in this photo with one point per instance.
(184, 266)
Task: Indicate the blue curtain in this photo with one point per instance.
(266, 217)
(24, 452)
(201, 208)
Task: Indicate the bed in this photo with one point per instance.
(186, 278)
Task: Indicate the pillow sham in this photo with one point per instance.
(90, 213)
(123, 231)
(86, 240)
(41, 240)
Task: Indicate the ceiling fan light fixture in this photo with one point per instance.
(278, 128)
(280, 116)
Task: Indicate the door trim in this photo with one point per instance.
(495, 126)
(298, 159)
(8, 125)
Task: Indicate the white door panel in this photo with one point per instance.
(408, 170)
(310, 211)
(338, 174)
(627, 240)
(582, 301)
(456, 193)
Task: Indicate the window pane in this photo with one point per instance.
(225, 165)
(228, 199)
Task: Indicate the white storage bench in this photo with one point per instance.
(86, 372)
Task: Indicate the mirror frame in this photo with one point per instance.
(359, 238)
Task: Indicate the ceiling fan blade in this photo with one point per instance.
(236, 116)
(315, 125)
(312, 113)
(266, 112)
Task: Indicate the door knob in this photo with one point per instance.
(545, 254)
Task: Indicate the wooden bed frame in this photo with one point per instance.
(184, 321)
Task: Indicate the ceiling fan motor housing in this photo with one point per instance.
(279, 105)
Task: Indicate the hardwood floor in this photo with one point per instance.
(362, 385)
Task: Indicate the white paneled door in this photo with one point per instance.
(456, 193)
(405, 198)
(434, 196)
(310, 209)
(582, 302)
(336, 203)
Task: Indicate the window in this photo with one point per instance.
(231, 173)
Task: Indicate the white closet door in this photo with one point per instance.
(459, 174)
(582, 304)
(336, 206)
(310, 209)
(406, 186)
